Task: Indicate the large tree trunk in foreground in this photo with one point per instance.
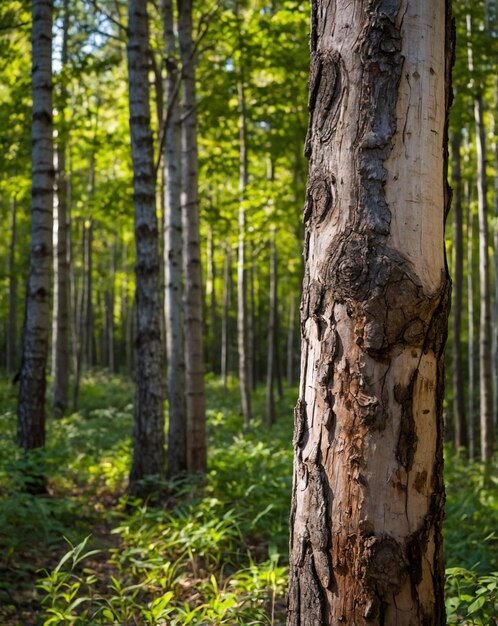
(173, 259)
(148, 434)
(194, 350)
(368, 494)
(31, 408)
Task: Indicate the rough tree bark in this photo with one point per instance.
(461, 434)
(368, 493)
(194, 351)
(173, 260)
(31, 408)
(148, 434)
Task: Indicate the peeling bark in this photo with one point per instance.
(368, 493)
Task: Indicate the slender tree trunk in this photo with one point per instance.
(213, 320)
(31, 408)
(242, 321)
(89, 313)
(485, 388)
(12, 323)
(494, 321)
(61, 326)
(110, 343)
(272, 321)
(486, 412)
(470, 314)
(225, 322)
(148, 433)
(368, 493)
(173, 260)
(461, 437)
(194, 351)
(252, 334)
(79, 325)
(290, 341)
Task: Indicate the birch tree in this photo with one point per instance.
(173, 251)
(194, 351)
(368, 494)
(148, 434)
(31, 408)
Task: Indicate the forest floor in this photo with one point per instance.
(207, 551)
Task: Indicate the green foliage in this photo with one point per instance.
(471, 527)
(202, 551)
(471, 598)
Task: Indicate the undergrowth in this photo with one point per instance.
(207, 551)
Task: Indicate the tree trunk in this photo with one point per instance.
(485, 393)
(470, 315)
(148, 433)
(11, 347)
(31, 408)
(60, 335)
(272, 344)
(213, 321)
(194, 350)
(110, 343)
(368, 494)
(461, 438)
(290, 341)
(242, 321)
(79, 323)
(495, 258)
(225, 322)
(173, 260)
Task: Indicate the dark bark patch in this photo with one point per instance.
(407, 440)
(326, 94)
(384, 566)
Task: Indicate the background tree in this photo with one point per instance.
(148, 434)
(31, 407)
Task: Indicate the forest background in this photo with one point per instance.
(212, 548)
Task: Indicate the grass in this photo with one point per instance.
(214, 551)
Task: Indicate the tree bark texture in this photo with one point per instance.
(461, 435)
(148, 435)
(173, 259)
(194, 350)
(31, 408)
(368, 493)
